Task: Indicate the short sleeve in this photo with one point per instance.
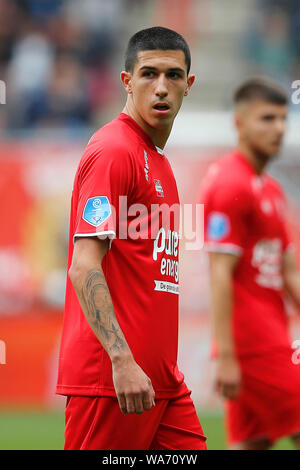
(104, 182)
(226, 219)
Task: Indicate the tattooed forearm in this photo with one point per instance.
(98, 308)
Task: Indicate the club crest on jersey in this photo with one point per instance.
(218, 226)
(158, 188)
(97, 210)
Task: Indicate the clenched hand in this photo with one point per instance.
(133, 387)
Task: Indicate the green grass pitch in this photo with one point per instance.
(45, 430)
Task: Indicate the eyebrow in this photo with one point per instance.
(172, 69)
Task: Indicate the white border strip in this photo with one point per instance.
(159, 150)
(101, 235)
(228, 248)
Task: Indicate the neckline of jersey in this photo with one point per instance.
(159, 150)
(134, 125)
(246, 162)
(241, 157)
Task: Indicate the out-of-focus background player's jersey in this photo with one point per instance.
(244, 216)
(141, 267)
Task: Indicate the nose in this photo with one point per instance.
(161, 89)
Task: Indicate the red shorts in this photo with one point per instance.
(268, 406)
(97, 423)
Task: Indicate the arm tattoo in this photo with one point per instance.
(98, 308)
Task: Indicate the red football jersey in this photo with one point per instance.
(244, 215)
(141, 269)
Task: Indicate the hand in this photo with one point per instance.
(133, 387)
(228, 377)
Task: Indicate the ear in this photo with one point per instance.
(126, 80)
(190, 81)
(237, 121)
(241, 114)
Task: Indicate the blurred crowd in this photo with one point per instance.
(59, 58)
(56, 58)
(273, 40)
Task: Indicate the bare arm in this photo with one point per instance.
(228, 378)
(291, 277)
(133, 388)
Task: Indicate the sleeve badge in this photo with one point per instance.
(97, 210)
(218, 226)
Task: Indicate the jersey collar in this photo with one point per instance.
(241, 157)
(133, 124)
(259, 178)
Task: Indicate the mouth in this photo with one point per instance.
(161, 108)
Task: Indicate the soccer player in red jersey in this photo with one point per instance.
(118, 356)
(251, 265)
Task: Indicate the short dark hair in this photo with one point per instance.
(152, 39)
(260, 88)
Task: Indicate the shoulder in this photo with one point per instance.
(234, 171)
(113, 138)
(113, 145)
(226, 178)
(109, 150)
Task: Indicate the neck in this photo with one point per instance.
(256, 159)
(158, 136)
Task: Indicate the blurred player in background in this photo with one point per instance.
(251, 265)
(118, 357)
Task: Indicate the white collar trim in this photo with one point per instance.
(159, 150)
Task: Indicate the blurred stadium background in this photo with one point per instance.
(60, 61)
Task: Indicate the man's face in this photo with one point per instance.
(261, 126)
(158, 84)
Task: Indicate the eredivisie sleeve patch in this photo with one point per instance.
(97, 210)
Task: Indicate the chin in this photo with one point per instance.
(275, 152)
(266, 152)
(160, 123)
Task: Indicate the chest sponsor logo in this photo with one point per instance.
(97, 210)
(266, 258)
(166, 242)
(158, 188)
